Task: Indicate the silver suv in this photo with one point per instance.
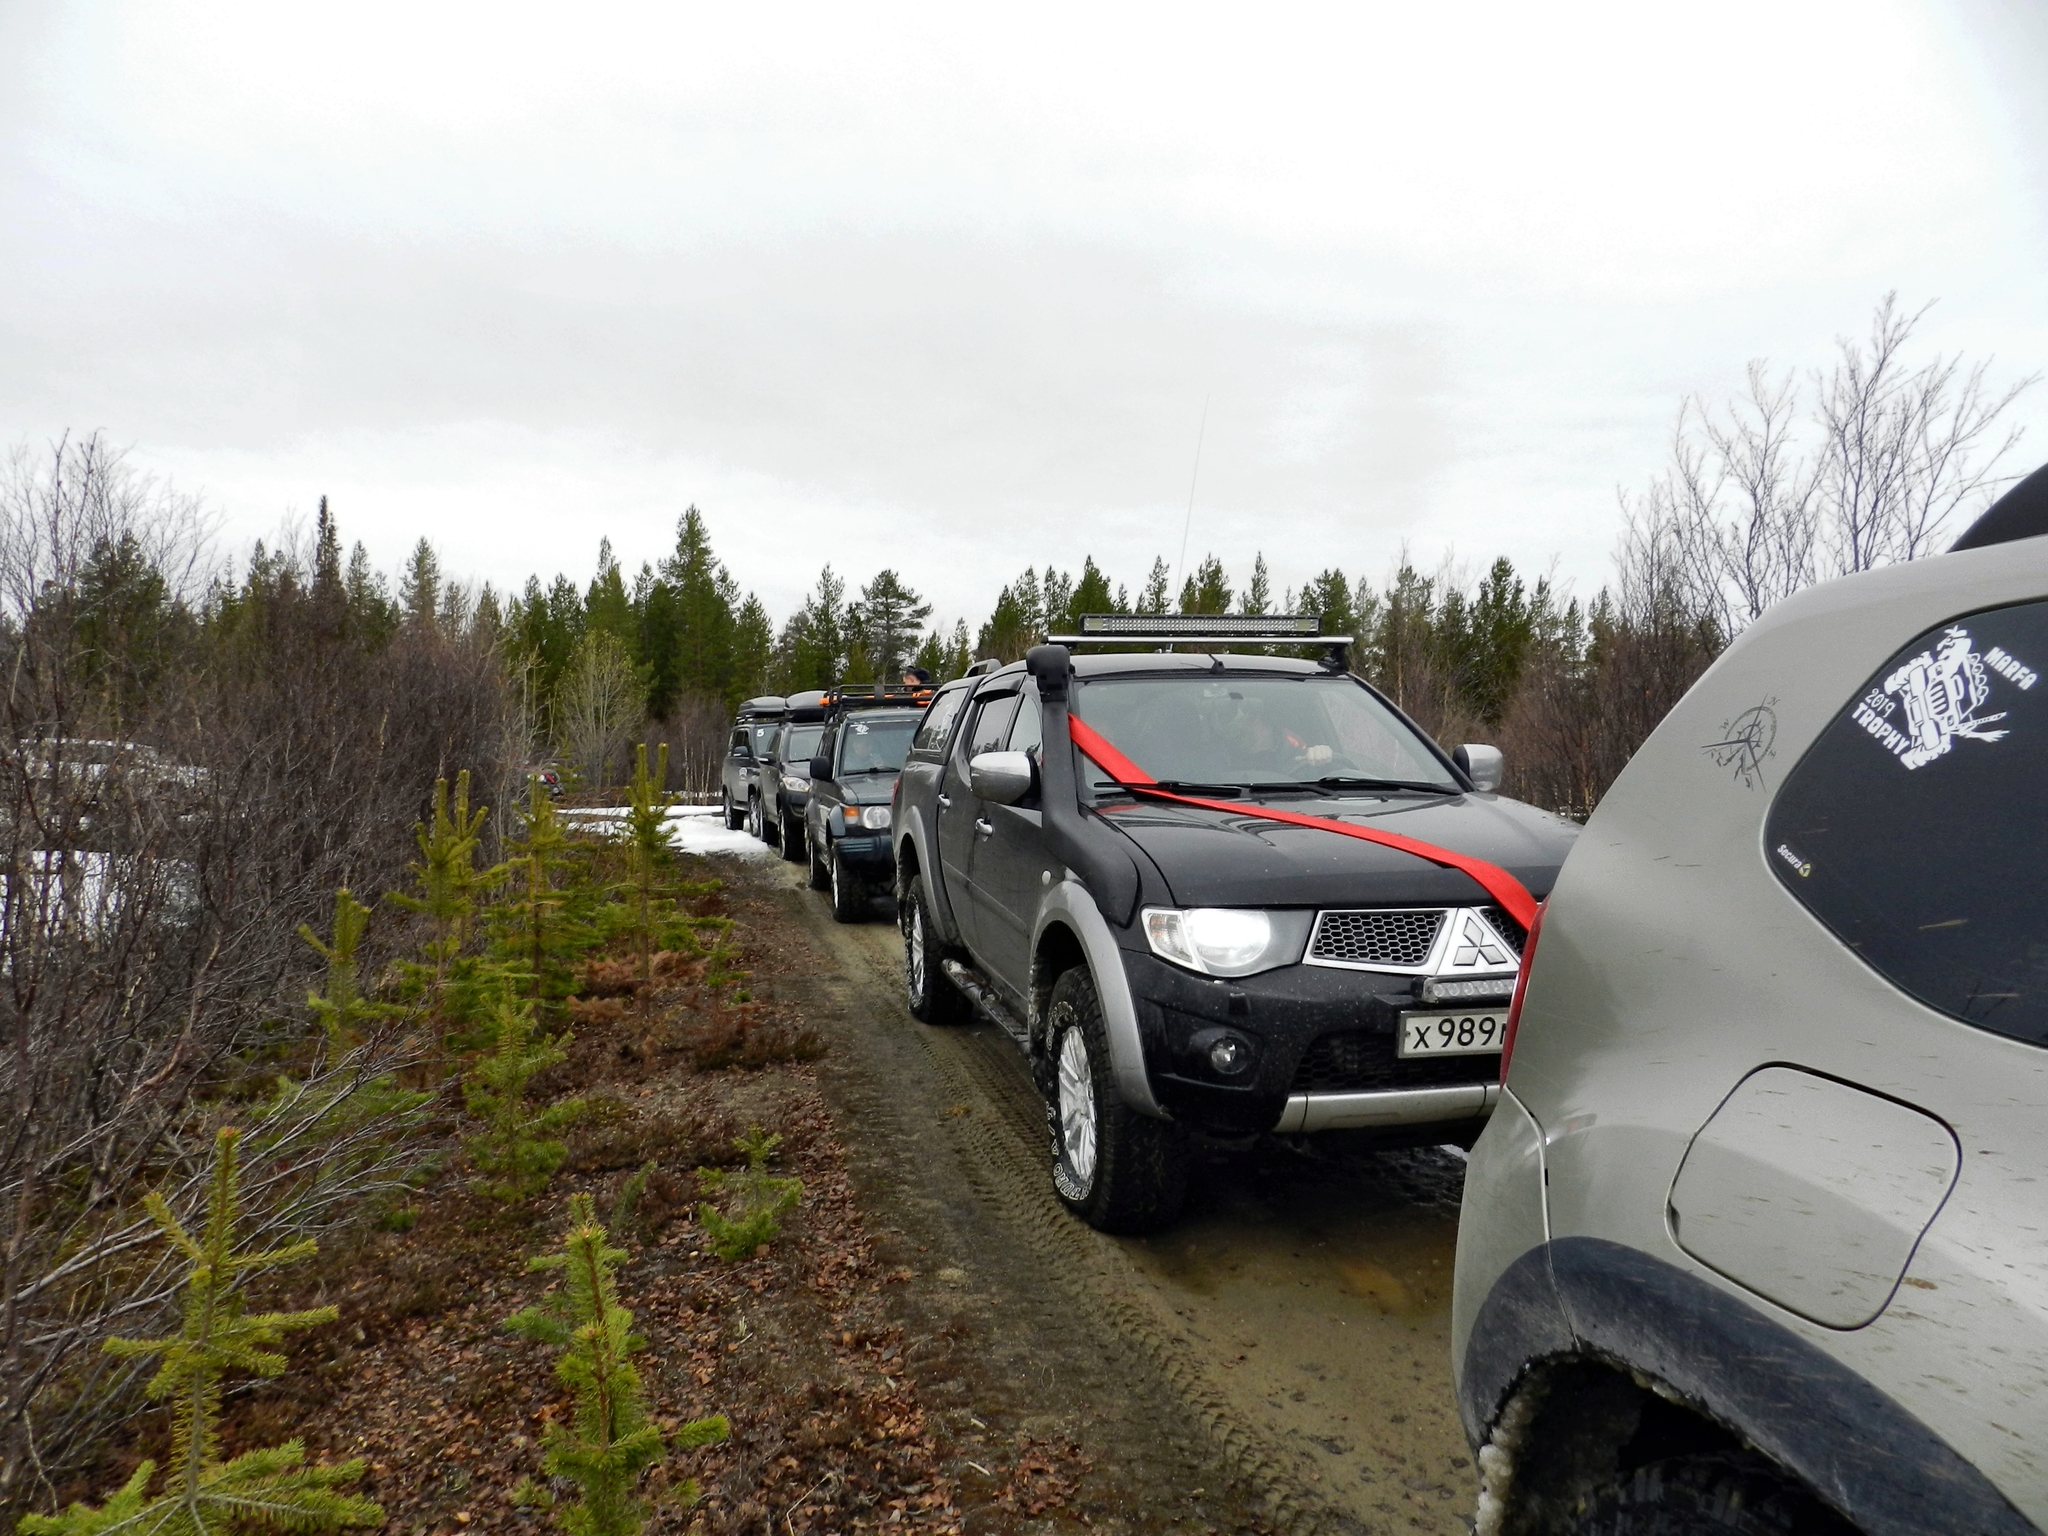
(1757, 1239)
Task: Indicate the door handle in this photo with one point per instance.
(945, 802)
(984, 826)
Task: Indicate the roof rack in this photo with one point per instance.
(875, 696)
(1201, 631)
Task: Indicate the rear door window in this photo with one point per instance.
(931, 732)
(1913, 827)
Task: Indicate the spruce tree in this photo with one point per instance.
(420, 590)
(1207, 590)
(757, 1199)
(534, 932)
(516, 1151)
(1091, 595)
(203, 1495)
(1153, 598)
(1258, 595)
(611, 1445)
(340, 1007)
(448, 879)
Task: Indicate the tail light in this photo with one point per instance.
(1507, 1045)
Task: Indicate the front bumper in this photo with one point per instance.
(1322, 1045)
(867, 853)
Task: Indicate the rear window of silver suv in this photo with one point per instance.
(1915, 827)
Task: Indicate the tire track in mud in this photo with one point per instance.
(999, 1150)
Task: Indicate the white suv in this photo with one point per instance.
(1757, 1239)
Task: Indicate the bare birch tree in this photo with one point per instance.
(1767, 494)
(600, 706)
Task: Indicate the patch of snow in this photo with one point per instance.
(697, 829)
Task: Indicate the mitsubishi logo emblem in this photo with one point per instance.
(1479, 946)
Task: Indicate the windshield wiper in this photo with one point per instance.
(1196, 787)
(1339, 782)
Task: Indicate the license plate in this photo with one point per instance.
(1464, 1032)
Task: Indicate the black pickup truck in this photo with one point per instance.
(1185, 947)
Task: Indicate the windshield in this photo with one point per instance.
(764, 739)
(875, 746)
(1257, 730)
(802, 744)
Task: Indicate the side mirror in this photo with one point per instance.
(1001, 778)
(821, 767)
(1482, 764)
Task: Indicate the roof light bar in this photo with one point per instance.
(1200, 629)
(1262, 626)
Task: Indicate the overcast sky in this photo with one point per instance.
(950, 289)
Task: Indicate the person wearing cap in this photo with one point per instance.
(916, 677)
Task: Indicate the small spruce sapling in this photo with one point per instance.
(448, 880)
(516, 1152)
(611, 1444)
(340, 1007)
(756, 1198)
(535, 930)
(203, 1495)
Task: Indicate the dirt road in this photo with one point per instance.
(1280, 1356)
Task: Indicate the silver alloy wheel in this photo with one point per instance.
(1077, 1107)
(913, 950)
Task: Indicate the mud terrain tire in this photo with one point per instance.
(849, 896)
(933, 997)
(734, 816)
(1730, 1495)
(1116, 1169)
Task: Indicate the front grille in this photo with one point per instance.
(1377, 938)
(1355, 1060)
(1505, 926)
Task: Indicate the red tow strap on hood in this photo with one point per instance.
(1495, 881)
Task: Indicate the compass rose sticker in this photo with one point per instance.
(1745, 742)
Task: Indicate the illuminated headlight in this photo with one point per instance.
(795, 785)
(874, 817)
(1223, 941)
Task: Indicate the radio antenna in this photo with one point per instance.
(1200, 432)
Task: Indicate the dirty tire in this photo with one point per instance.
(1116, 1169)
(933, 997)
(821, 877)
(793, 840)
(849, 896)
(734, 816)
(755, 825)
(1705, 1496)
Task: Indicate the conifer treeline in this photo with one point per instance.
(681, 642)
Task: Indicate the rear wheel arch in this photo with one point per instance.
(1573, 1425)
(1689, 1369)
